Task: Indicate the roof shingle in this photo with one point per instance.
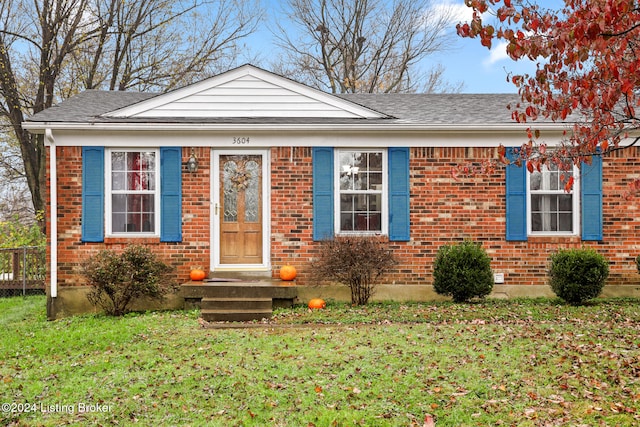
(89, 106)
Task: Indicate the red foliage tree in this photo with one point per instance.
(588, 72)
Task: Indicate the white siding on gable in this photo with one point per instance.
(248, 96)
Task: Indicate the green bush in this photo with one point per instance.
(14, 234)
(577, 275)
(638, 263)
(462, 271)
(119, 279)
(355, 261)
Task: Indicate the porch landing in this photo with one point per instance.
(238, 299)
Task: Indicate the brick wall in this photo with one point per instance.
(442, 211)
(445, 211)
(192, 252)
(292, 209)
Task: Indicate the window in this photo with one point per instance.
(132, 197)
(552, 209)
(394, 209)
(586, 201)
(360, 184)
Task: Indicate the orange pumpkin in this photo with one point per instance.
(317, 303)
(197, 274)
(288, 273)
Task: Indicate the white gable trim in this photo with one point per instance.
(246, 91)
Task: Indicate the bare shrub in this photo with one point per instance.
(355, 261)
(120, 279)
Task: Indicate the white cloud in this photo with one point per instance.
(497, 53)
(456, 10)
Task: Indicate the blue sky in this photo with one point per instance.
(479, 69)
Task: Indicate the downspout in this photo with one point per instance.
(53, 194)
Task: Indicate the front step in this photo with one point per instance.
(246, 275)
(235, 309)
(199, 290)
(237, 301)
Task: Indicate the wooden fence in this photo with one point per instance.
(22, 269)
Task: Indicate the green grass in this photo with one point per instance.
(524, 363)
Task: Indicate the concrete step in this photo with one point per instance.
(234, 315)
(235, 309)
(238, 298)
(246, 275)
(238, 290)
(261, 304)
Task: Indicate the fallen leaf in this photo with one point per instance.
(429, 421)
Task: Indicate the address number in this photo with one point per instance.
(240, 140)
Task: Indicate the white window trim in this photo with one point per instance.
(384, 217)
(575, 208)
(107, 202)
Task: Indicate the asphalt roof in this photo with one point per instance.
(89, 106)
(458, 108)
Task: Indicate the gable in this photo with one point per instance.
(246, 92)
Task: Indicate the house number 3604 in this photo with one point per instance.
(240, 140)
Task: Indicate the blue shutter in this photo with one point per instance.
(322, 193)
(398, 193)
(170, 194)
(92, 194)
(591, 197)
(516, 199)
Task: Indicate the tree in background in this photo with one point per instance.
(363, 46)
(53, 49)
(588, 69)
(15, 200)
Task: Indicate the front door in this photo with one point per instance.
(240, 208)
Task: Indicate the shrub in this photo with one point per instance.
(14, 233)
(577, 275)
(120, 279)
(638, 263)
(462, 271)
(355, 261)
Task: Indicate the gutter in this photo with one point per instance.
(395, 126)
(53, 189)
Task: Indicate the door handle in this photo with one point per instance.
(216, 209)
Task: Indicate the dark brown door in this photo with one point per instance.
(241, 209)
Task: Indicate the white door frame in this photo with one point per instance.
(215, 210)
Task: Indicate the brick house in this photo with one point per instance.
(281, 166)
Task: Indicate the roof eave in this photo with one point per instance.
(40, 127)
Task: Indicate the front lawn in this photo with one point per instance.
(524, 363)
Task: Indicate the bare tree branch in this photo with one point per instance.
(52, 49)
(362, 45)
